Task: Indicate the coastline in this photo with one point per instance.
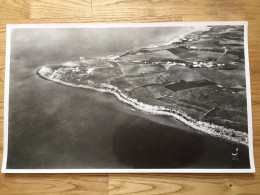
(203, 127)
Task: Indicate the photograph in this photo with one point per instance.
(128, 98)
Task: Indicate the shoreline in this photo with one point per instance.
(203, 127)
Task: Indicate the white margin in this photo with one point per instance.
(248, 94)
(9, 28)
(6, 96)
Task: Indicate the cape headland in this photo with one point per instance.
(199, 79)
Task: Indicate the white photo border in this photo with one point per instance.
(9, 28)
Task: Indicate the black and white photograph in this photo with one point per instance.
(140, 97)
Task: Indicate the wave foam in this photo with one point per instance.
(204, 127)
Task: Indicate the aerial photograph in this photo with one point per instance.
(152, 97)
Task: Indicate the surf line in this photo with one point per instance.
(200, 126)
